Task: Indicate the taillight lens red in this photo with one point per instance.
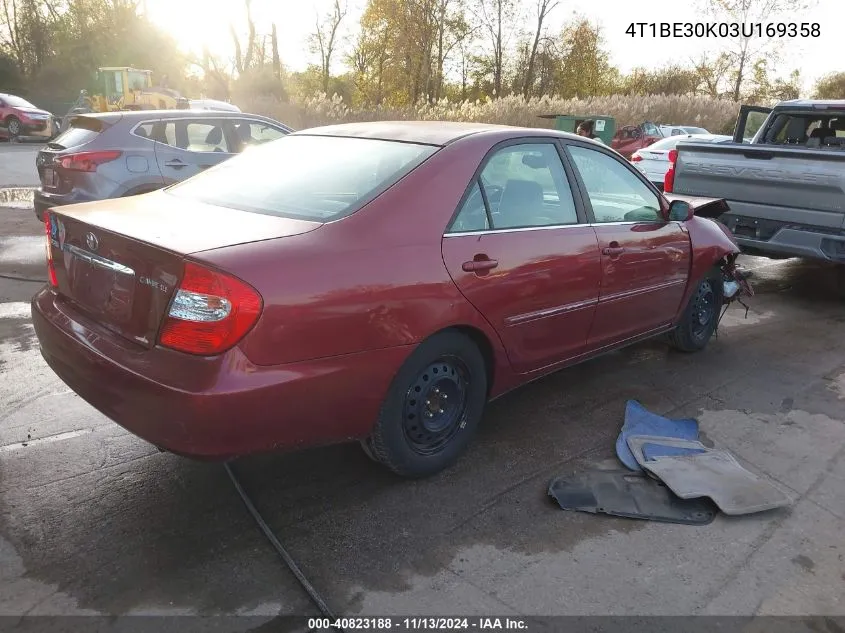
(635, 158)
(669, 177)
(51, 269)
(88, 161)
(210, 312)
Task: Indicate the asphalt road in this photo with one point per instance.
(17, 164)
(94, 520)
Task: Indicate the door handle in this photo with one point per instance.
(477, 265)
(174, 163)
(613, 250)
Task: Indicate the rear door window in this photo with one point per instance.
(196, 136)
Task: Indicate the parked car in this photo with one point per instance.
(212, 104)
(374, 281)
(785, 187)
(20, 119)
(676, 130)
(654, 161)
(630, 138)
(118, 154)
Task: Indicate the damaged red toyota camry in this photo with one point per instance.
(378, 282)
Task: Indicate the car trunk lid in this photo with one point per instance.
(119, 262)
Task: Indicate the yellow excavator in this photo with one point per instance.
(126, 88)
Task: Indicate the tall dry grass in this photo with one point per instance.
(714, 114)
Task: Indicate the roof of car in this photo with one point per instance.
(425, 132)
(809, 103)
(139, 115)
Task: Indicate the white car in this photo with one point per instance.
(213, 104)
(653, 161)
(681, 130)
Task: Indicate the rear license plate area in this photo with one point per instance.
(100, 291)
(744, 230)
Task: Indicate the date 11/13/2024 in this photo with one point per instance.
(723, 29)
(417, 623)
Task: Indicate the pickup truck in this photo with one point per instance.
(785, 188)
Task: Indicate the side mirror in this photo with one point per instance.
(680, 211)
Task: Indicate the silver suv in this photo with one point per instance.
(120, 154)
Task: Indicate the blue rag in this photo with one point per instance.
(640, 421)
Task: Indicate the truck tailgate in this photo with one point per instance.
(805, 186)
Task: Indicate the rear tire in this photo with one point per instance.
(432, 408)
(701, 316)
(13, 125)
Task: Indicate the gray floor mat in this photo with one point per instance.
(714, 473)
(622, 493)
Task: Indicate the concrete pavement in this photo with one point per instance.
(94, 520)
(17, 164)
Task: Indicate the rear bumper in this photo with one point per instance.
(788, 240)
(213, 408)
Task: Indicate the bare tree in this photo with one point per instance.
(324, 39)
(497, 18)
(544, 8)
(243, 58)
(748, 44)
(277, 62)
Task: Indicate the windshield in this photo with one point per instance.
(316, 178)
(695, 130)
(17, 102)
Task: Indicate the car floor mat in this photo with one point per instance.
(641, 421)
(710, 473)
(625, 494)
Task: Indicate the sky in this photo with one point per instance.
(198, 22)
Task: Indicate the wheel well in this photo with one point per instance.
(480, 339)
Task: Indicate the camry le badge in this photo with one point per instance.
(91, 241)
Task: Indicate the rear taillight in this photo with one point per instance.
(51, 269)
(669, 178)
(88, 161)
(210, 312)
(635, 158)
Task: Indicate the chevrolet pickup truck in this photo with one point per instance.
(785, 189)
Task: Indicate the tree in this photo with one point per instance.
(497, 18)
(584, 69)
(830, 86)
(324, 38)
(544, 8)
(749, 45)
(670, 80)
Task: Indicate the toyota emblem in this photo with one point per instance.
(91, 241)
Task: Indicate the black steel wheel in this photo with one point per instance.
(432, 407)
(701, 315)
(435, 405)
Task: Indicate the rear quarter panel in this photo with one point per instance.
(373, 280)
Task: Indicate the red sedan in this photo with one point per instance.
(378, 282)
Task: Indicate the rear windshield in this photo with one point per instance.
(316, 178)
(82, 130)
(695, 130)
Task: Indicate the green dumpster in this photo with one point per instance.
(605, 126)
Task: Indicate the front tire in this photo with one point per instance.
(701, 316)
(432, 408)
